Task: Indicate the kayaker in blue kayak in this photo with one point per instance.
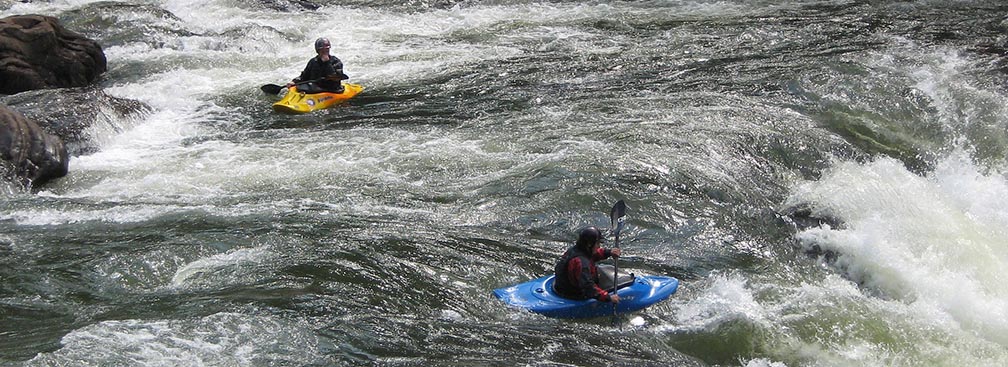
(576, 272)
(325, 68)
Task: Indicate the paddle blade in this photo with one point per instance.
(271, 89)
(617, 215)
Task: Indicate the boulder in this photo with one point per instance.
(28, 154)
(36, 52)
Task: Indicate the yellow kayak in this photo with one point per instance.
(296, 101)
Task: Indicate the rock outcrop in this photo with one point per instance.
(28, 154)
(36, 52)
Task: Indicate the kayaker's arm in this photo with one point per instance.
(601, 253)
(337, 70)
(588, 286)
(338, 76)
(606, 296)
(304, 74)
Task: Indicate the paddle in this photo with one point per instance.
(617, 217)
(275, 89)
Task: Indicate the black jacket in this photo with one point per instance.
(318, 69)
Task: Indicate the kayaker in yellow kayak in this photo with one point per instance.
(325, 68)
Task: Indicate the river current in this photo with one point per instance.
(827, 179)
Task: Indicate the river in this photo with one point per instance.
(826, 178)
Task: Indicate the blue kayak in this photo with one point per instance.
(635, 294)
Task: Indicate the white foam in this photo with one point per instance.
(763, 362)
(450, 315)
(119, 214)
(232, 339)
(727, 298)
(825, 321)
(936, 242)
(637, 321)
(219, 270)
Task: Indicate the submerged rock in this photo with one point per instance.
(78, 116)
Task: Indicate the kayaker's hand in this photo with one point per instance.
(614, 298)
(338, 76)
(615, 252)
(290, 84)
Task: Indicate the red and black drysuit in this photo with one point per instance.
(577, 275)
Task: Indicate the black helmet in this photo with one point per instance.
(588, 237)
(321, 43)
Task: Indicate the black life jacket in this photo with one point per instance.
(572, 284)
(318, 69)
